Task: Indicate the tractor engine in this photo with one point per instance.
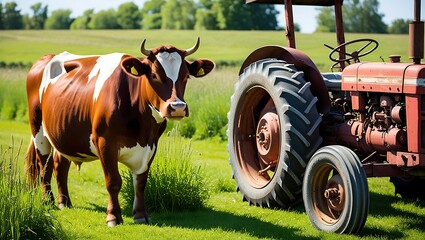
(366, 121)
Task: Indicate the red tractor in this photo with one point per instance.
(295, 133)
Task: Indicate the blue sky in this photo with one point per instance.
(305, 16)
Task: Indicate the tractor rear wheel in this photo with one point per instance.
(273, 130)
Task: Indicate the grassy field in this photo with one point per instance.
(220, 46)
(225, 216)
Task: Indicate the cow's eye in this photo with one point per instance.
(154, 77)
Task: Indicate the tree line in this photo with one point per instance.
(361, 17)
(154, 14)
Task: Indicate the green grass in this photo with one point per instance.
(225, 216)
(13, 105)
(22, 211)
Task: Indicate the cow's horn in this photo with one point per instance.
(144, 50)
(193, 49)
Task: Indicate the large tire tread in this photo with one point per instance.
(299, 123)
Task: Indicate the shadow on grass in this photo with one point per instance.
(207, 219)
(382, 206)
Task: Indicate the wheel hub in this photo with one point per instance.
(267, 139)
(334, 193)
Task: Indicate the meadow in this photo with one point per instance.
(224, 214)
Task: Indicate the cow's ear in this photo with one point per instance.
(201, 67)
(134, 66)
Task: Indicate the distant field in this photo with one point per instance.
(220, 46)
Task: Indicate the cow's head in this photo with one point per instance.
(168, 73)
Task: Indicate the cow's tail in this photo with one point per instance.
(31, 167)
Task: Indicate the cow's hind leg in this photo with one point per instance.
(140, 214)
(61, 165)
(44, 156)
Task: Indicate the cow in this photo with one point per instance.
(111, 107)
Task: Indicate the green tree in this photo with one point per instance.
(105, 19)
(39, 16)
(365, 17)
(12, 17)
(129, 16)
(241, 16)
(178, 14)
(27, 21)
(1, 17)
(359, 16)
(59, 19)
(263, 17)
(205, 19)
(326, 20)
(82, 22)
(151, 14)
(210, 16)
(399, 26)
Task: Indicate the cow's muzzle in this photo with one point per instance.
(178, 109)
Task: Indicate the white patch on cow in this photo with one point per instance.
(105, 66)
(135, 201)
(41, 142)
(54, 69)
(92, 146)
(171, 63)
(136, 158)
(157, 115)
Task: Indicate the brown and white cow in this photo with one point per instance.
(110, 107)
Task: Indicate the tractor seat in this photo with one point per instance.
(332, 80)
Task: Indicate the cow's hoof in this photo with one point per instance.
(142, 220)
(64, 205)
(112, 223)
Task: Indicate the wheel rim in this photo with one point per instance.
(328, 194)
(257, 137)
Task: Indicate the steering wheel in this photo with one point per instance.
(354, 55)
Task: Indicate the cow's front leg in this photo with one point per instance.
(108, 154)
(61, 165)
(140, 214)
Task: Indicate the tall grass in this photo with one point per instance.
(208, 99)
(13, 104)
(22, 212)
(174, 183)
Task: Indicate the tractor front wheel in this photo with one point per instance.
(335, 191)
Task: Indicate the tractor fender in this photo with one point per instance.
(303, 63)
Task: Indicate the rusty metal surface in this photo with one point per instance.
(384, 170)
(290, 30)
(374, 77)
(416, 35)
(296, 2)
(384, 77)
